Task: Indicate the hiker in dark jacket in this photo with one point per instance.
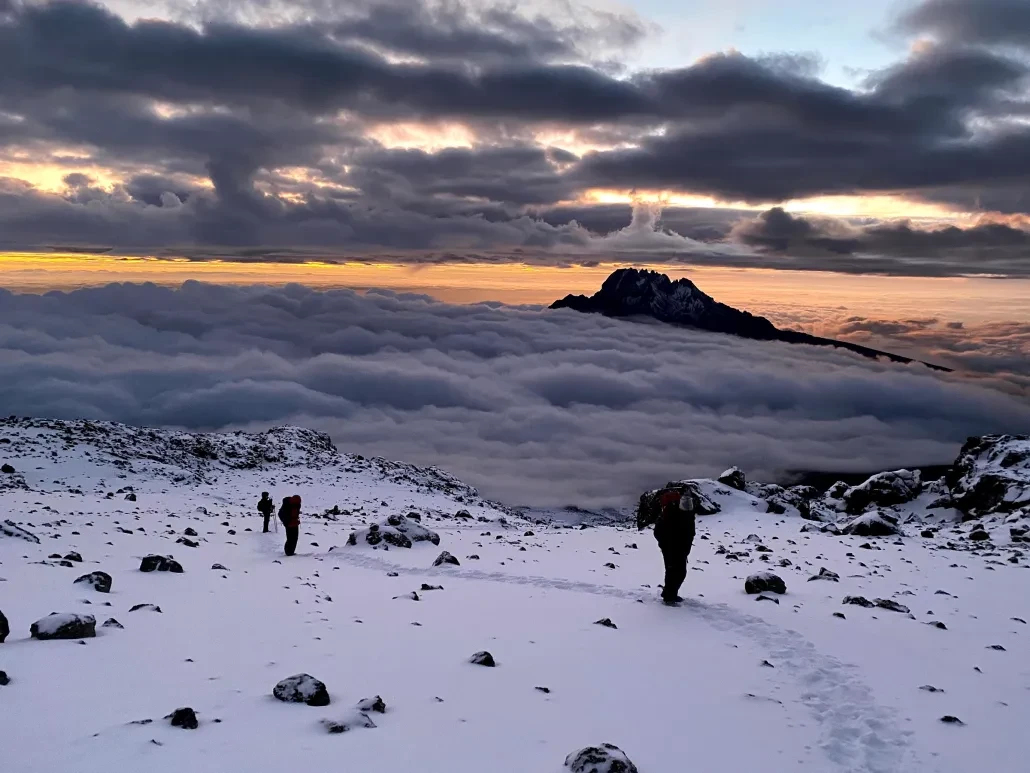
(289, 513)
(265, 506)
(674, 529)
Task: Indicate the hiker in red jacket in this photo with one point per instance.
(289, 514)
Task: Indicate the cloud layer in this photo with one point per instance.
(262, 126)
(530, 405)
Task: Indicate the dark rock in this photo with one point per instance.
(860, 601)
(130, 497)
(606, 622)
(605, 758)
(4, 679)
(302, 688)
(154, 563)
(825, 574)
(483, 658)
(69, 625)
(101, 581)
(931, 688)
(734, 478)
(112, 623)
(884, 490)
(840, 615)
(873, 525)
(73, 556)
(186, 718)
(7, 469)
(938, 624)
(413, 596)
(764, 581)
(979, 535)
(376, 704)
(219, 567)
(926, 533)
(446, 558)
(356, 720)
(145, 608)
(893, 606)
(396, 530)
(991, 475)
(763, 597)
(5, 628)
(950, 720)
(426, 586)
(187, 542)
(997, 647)
(545, 690)
(10, 529)
(190, 532)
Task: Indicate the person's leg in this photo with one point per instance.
(675, 570)
(292, 535)
(267, 516)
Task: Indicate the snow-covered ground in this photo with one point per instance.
(724, 683)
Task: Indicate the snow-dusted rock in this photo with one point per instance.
(991, 475)
(154, 563)
(68, 625)
(883, 490)
(11, 529)
(734, 478)
(186, 718)
(368, 705)
(353, 720)
(302, 688)
(112, 623)
(101, 581)
(446, 558)
(145, 608)
(483, 658)
(875, 524)
(764, 581)
(5, 627)
(605, 758)
(397, 530)
(825, 574)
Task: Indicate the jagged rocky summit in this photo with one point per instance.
(630, 292)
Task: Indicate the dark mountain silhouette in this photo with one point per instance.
(632, 292)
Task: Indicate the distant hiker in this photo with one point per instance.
(674, 529)
(265, 506)
(289, 514)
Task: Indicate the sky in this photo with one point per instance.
(381, 197)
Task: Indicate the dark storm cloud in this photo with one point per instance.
(243, 94)
(972, 21)
(551, 407)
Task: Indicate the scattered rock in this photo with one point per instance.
(73, 556)
(426, 587)
(883, 489)
(763, 597)
(764, 581)
(11, 529)
(825, 574)
(187, 542)
(860, 601)
(938, 624)
(483, 658)
(145, 608)
(926, 533)
(4, 679)
(186, 718)
(893, 606)
(397, 530)
(413, 596)
(154, 563)
(112, 623)
(545, 690)
(979, 535)
(873, 525)
(997, 647)
(302, 688)
(219, 567)
(606, 622)
(68, 625)
(8, 469)
(190, 531)
(840, 615)
(446, 558)
(950, 720)
(376, 704)
(605, 758)
(931, 688)
(350, 722)
(5, 628)
(734, 478)
(101, 581)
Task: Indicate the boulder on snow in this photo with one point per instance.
(302, 688)
(397, 530)
(10, 529)
(112, 623)
(876, 524)
(883, 490)
(734, 478)
(764, 581)
(446, 558)
(605, 758)
(4, 679)
(7, 469)
(154, 563)
(101, 581)
(991, 475)
(825, 574)
(368, 705)
(68, 625)
(186, 718)
(5, 627)
(483, 658)
(73, 556)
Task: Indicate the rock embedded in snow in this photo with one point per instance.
(606, 758)
(5, 627)
(446, 558)
(145, 608)
(153, 563)
(10, 529)
(112, 623)
(873, 525)
(219, 567)
(483, 658)
(860, 601)
(397, 530)
(883, 489)
(764, 581)
(606, 622)
(979, 535)
(734, 478)
(368, 705)
(186, 718)
(187, 542)
(355, 719)
(302, 688)
(991, 475)
(825, 574)
(189, 531)
(73, 556)
(7, 469)
(4, 679)
(948, 719)
(893, 606)
(68, 625)
(101, 581)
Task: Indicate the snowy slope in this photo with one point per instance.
(725, 683)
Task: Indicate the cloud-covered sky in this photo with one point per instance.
(454, 128)
(532, 406)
